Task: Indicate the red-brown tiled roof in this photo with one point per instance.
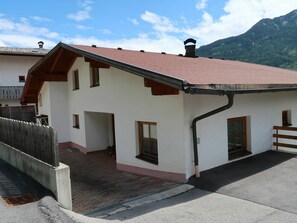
(198, 71)
(192, 75)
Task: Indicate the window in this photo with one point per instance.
(75, 80)
(148, 143)
(76, 121)
(94, 76)
(40, 100)
(42, 119)
(237, 137)
(286, 118)
(22, 78)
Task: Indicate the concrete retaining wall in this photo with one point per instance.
(55, 179)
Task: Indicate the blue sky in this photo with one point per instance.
(152, 25)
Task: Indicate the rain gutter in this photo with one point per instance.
(194, 128)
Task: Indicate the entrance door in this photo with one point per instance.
(237, 141)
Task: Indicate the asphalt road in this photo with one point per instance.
(45, 210)
(197, 206)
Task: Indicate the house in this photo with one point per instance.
(169, 116)
(14, 63)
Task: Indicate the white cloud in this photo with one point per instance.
(166, 43)
(84, 12)
(160, 23)
(201, 4)
(134, 21)
(106, 31)
(24, 34)
(40, 19)
(82, 27)
(240, 15)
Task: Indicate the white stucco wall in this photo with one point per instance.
(54, 102)
(44, 102)
(14, 66)
(264, 111)
(125, 96)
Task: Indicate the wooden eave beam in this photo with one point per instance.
(56, 61)
(52, 77)
(159, 89)
(95, 63)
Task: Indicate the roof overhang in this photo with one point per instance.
(237, 89)
(57, 63)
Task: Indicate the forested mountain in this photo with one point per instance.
(271, 42)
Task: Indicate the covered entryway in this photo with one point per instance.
(100, 133)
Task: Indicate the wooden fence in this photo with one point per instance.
(22, 113)
(35, 140)
(277, 135)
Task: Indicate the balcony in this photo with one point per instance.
(10, 92)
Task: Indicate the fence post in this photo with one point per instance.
(276, 138)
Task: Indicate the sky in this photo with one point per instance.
(150, 25)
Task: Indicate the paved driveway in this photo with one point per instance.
(269, 178)
(97, 184)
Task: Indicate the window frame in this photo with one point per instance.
(286, 118)
(94, 76)
(235, 153)
(22, 78)
(75, 77)
(75, 119)
(148, 157)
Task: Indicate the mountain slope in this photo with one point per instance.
(271, 42)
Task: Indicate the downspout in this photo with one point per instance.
(194, 129)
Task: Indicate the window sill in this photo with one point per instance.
(74, 89)
(287, 124)
(147, 159)
(76, 127)
(95, 85)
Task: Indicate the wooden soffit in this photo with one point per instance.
(95, 63)
(159, 89)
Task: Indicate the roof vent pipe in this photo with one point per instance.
(40, 44)
(190, 46)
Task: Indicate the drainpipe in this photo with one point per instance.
(194, 129)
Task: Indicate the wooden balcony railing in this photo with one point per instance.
(288, 138)
(10, 92)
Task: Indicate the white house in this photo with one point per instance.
(169, 116)
(14, 64)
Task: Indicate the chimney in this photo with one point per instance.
(40, 44)
(190, 46)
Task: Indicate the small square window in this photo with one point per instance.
(22, 78)
(286, 118)
(75, 80)
(76, 121)
(148, 143)
(94, 76)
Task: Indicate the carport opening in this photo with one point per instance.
(100, 132)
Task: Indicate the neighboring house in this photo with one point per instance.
(14, 64)
(157, 109)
